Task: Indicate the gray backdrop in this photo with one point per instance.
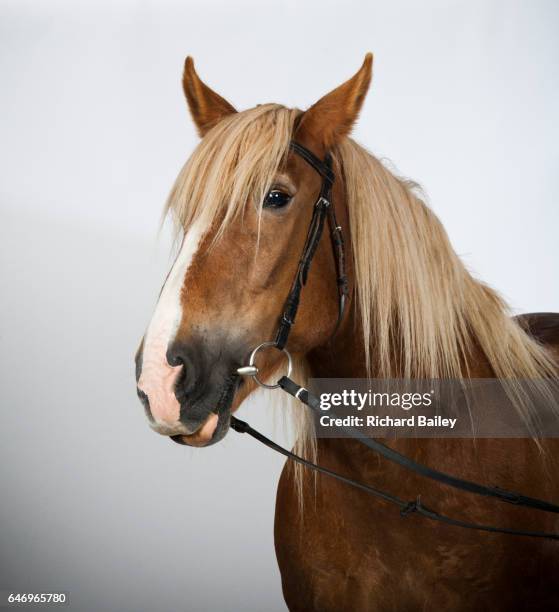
(93, 131)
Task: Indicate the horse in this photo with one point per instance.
(242, 205)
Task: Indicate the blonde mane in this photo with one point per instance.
(414, 293)
(233, 165)
(420, 309)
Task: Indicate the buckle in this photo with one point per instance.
(410, 507)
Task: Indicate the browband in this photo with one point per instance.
(322, 167)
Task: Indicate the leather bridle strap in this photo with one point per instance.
(323, 209)
(406, 508)
(324, 168)
(313, 402)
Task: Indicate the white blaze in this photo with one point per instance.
(157, 379)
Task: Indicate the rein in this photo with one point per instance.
(323, 209)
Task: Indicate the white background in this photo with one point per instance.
(94, 129)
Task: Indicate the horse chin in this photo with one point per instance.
(213, 430)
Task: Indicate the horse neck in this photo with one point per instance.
(343, 356)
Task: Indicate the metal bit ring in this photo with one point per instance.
(252, 369)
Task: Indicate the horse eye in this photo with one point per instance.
(276, 199)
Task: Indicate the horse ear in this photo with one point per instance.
(333, 116)
(206, 106)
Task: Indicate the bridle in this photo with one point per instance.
(324, 209)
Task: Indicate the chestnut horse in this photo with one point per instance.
(243, 203)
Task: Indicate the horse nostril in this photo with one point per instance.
(179, 355)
